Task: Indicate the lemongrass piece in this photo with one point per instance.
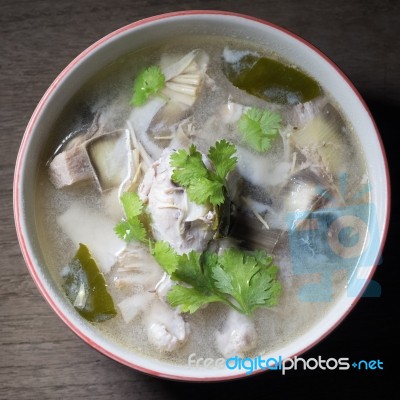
(136, 158)
(190, 79)
(185, 99)
(139, 121)
(137, 174)
(164, 137)
(182, 88)
(143, 153)
(178, 67)
(192, 68)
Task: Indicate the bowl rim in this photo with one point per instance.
(29, 261)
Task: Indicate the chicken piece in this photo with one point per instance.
(305, 192)
(182, 223)
(237, 335)
(136, 268)
(166, 329)
(131, 307)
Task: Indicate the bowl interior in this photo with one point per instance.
(148, 32)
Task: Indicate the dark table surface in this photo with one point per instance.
(40, 357)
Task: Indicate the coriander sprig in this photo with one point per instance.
(204, 185)
(132, 227)
(244, 280)
(259, 128)
(148, 83)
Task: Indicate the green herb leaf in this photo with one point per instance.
(259, 128)
(166, 256)
(132, 204)
(242, 279)
(149, 82)
(222, 156)
(205, 190)
(192, 271)
(204, 186)
(189, 299)
(132, 228)
(86, 288)
(187, 166)
(249, 278)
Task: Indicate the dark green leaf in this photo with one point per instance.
(272, 80)
(84, 273)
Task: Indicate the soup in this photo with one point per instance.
(188, 201)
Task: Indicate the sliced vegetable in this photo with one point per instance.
(184, 79)
(86, 288)
(271, 80)
(322, 144)
(259, 128)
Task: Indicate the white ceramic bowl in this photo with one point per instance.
(140, 34)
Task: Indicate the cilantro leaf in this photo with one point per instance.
(187, 166)
(204, 185)
(149, 82)
(250, 278)
(259, 128)
(166, 256)
(222, 157)
(244, 280)
(189, 299)
(131, 229)
(192, 270)
(204, 190)
(132, 204)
